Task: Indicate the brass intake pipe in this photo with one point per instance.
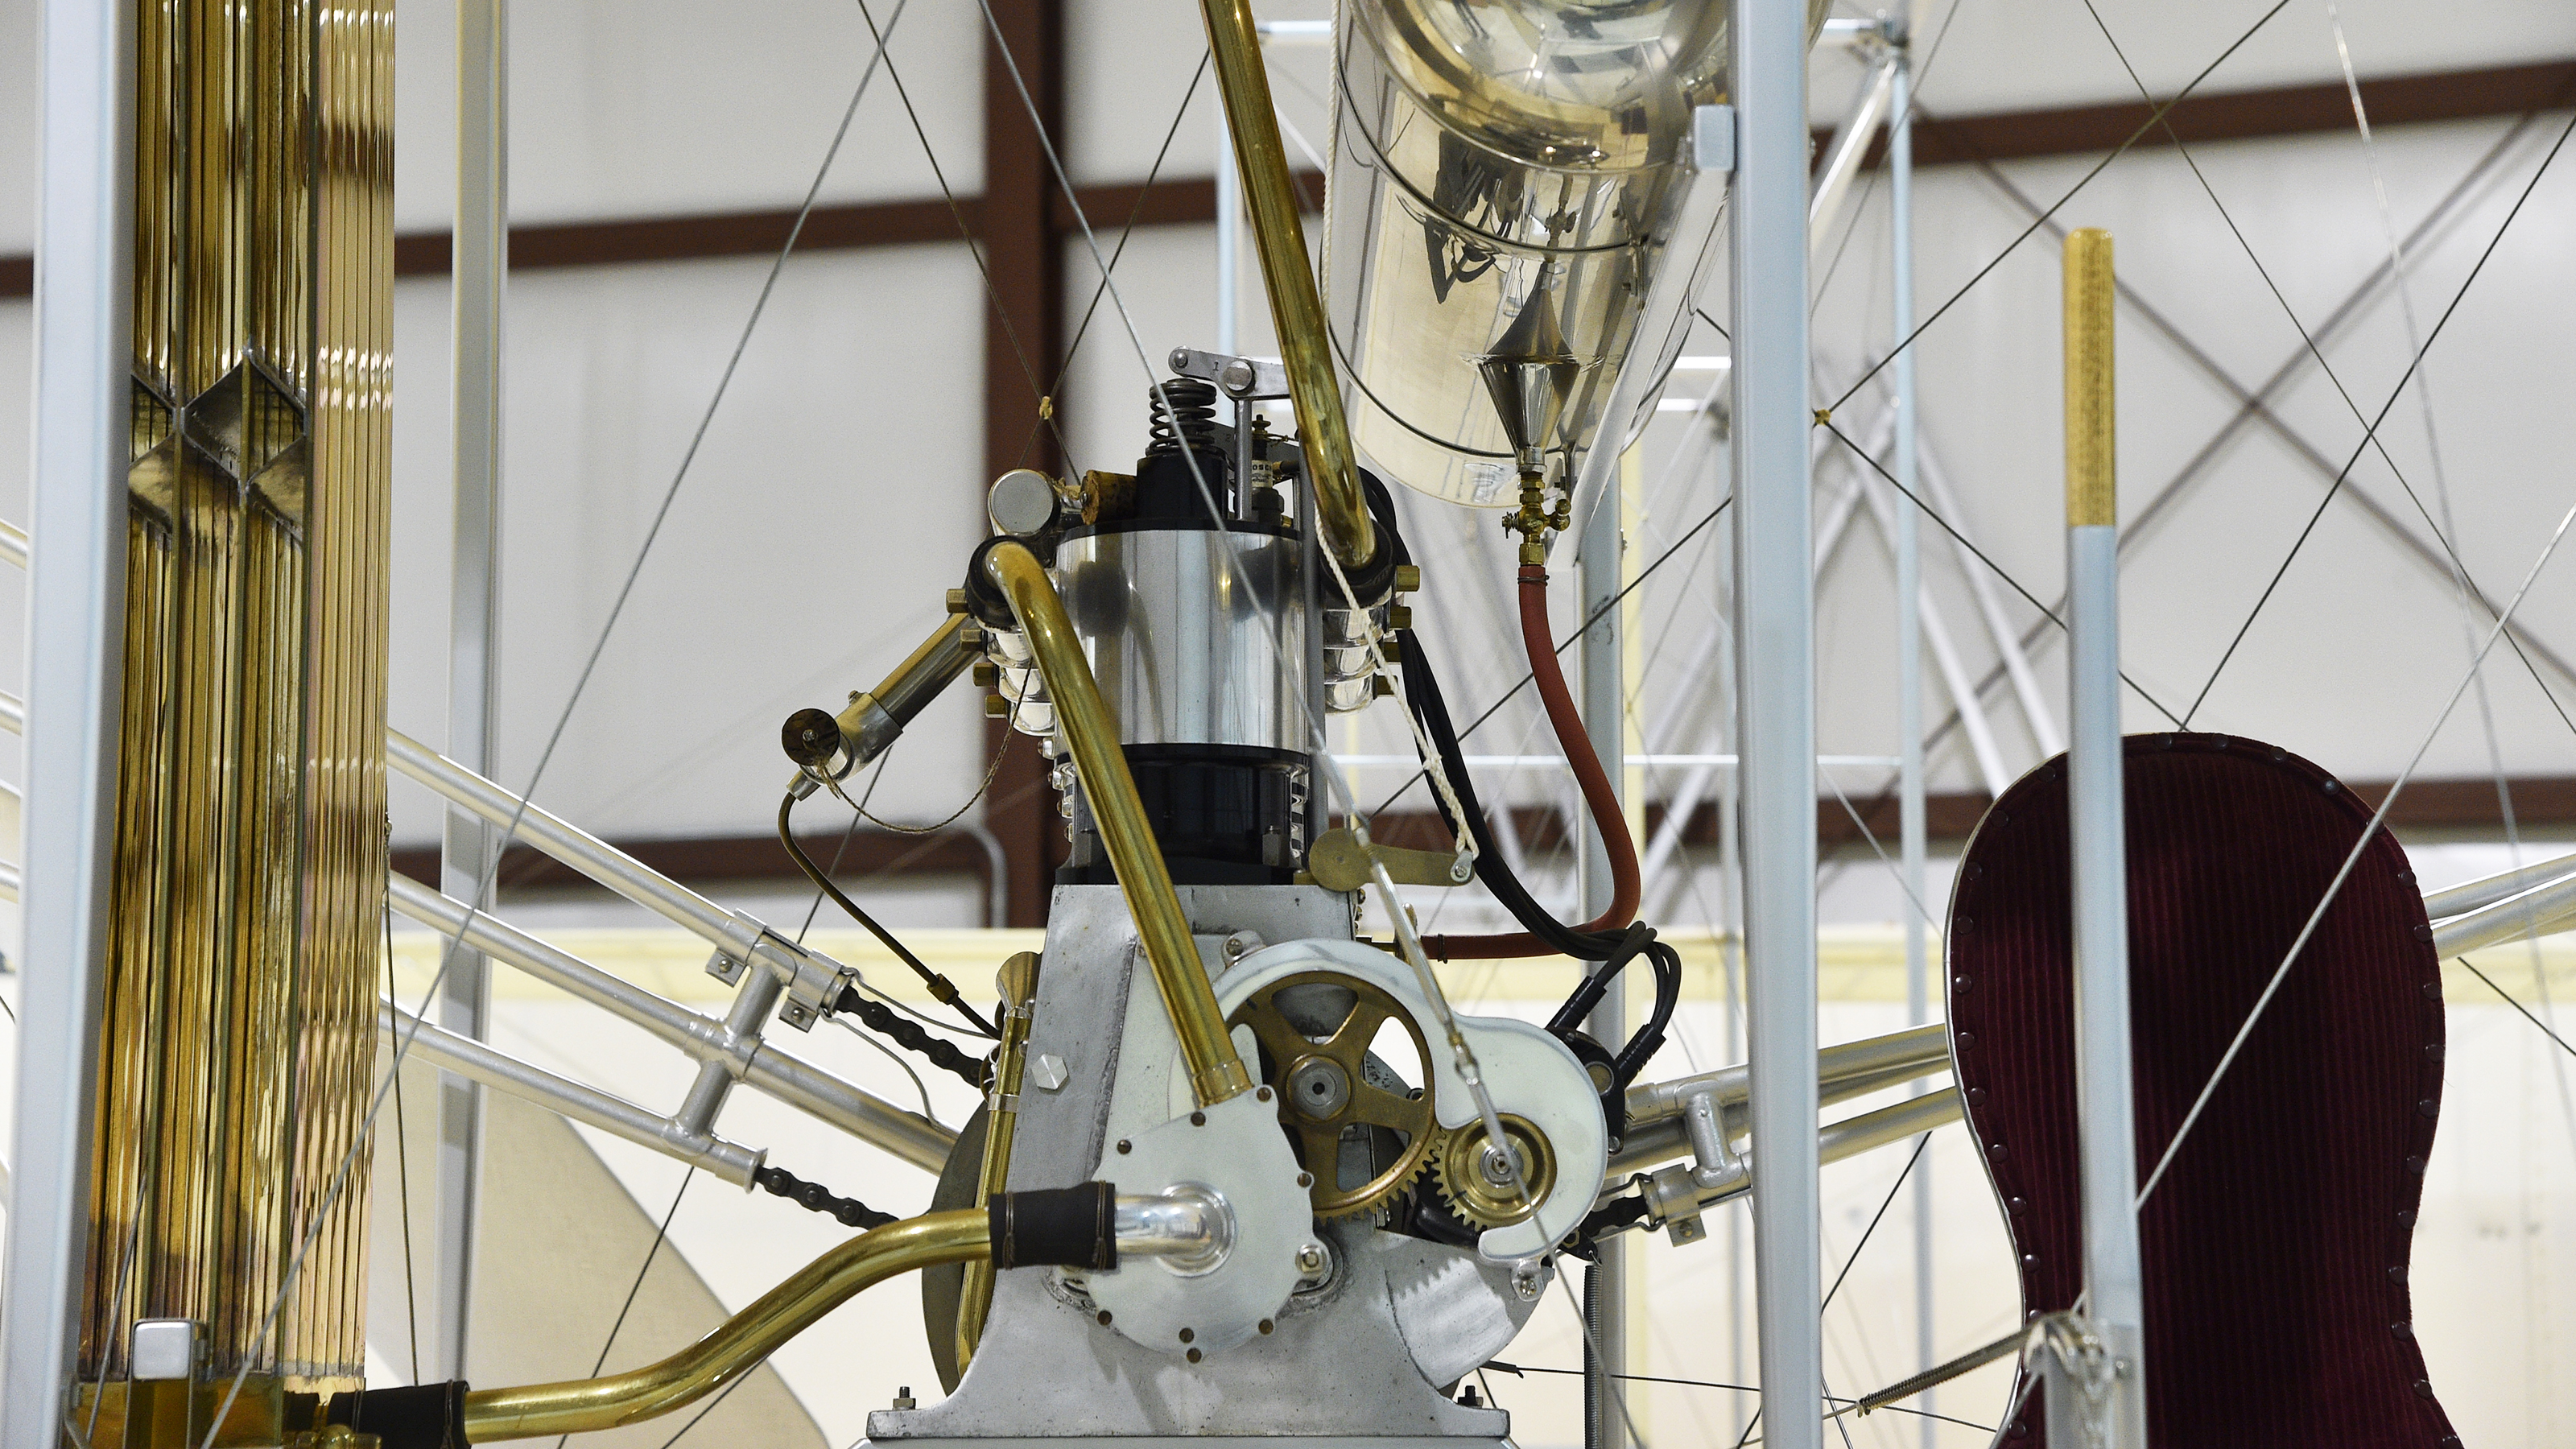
(736, 1347)
(1216, 1069)
(1288, 275)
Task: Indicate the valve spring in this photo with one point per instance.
(1195, 402)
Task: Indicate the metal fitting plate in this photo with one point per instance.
(1235, 1151)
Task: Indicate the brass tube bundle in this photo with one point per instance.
(237, 1036)
(1215, 1067)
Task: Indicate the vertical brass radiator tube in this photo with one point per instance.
(1216, 1069)
(1288, 275)
(1001, 1122)
(739, 1344)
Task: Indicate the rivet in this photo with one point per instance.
(2415, 1165)
(1125, 1146)
(2030, 1260)
(2406, 877)
(2020, 1429)
(1187, 1335)
(1265, 1325)
(1961, 984)
(2423, 1388)
(1972, 870)
(2000, 818)
(2432, 991)
(2429, 1107)
(1261, 1095)
(2279, 755)
(2019, 1204)
(2328, 785)
(2405, 1217)
(1960, 923)
(1967, 1040)
(1305, 1179)
(1994, 1149)
(2423, 933)
(2402, 1330)
(2167, 741)
(2397, 1274)
(1976, 1096)
(2432, 1051)
(1194, 1355)
(1198, 1119)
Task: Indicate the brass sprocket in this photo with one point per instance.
(1473, 1182)
(1314, 1029)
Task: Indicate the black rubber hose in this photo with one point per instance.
(1431, 710)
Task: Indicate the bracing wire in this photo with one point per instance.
(484, 886)
(2099, 167)
(2335, 888)
(643, 1271)
(1963, 540)
(2382, 416)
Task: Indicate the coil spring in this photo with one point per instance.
(1195, 402)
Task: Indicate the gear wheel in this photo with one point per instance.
(1471, 1178)
(1314, 1030)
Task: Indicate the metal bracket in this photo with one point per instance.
(1712, 138)
(724, 968)
(1338, 861)
(1244, 379)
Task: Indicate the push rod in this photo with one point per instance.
(1216, 1069)
(762, 1065)
(1288, 275)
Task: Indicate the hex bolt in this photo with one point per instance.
(1311, 1259)
(903, 1398)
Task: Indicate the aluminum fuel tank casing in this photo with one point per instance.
(1188, 649)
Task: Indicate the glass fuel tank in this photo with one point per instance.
(1489, 155)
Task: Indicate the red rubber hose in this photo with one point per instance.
(1567, 722)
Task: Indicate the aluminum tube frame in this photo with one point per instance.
(761, 1065)
(813, 980)
(1603, 700)
(1919, 1049)
(471, 1059)
(1910, 815)
(479, 273)
(2108, 1138)
(1851, 144)
(1846, 1139)
(75, 651)
(1661, 1141)
(2534, 913)
(1775, 702)
(2504, 885)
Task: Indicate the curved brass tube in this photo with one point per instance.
(738, 1346)
(1216, 1069)
(1019, 983)
(1289, 276)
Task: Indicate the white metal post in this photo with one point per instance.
(480, 275)
(1229, 236)
(75, 593)
(1909, 654)
(1605, 1284)
(2107, 1131)
(1775, 702)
